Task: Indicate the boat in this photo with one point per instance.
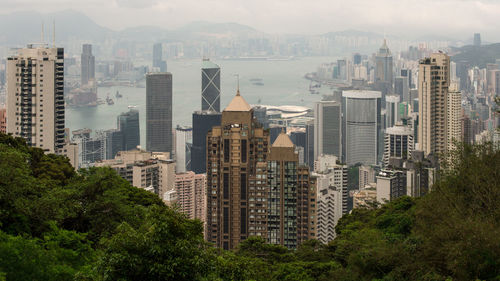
(118, 95)
(110, 101)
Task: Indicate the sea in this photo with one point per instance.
(283, 84)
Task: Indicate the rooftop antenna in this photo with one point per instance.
(54, 33)
(41, 34)
(238, 81)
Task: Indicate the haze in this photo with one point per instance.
(447, 18)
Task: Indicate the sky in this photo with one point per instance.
(450, 18)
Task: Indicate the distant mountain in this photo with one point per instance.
(477, 56)
(23, 27)
(353, 32)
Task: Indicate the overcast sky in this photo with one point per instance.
(456, 18)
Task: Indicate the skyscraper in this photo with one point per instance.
(159, 112)
(210, 86)
(128, 124)
(191, 194)
(159, 64)
(362, 126)
(391, 110)
(309, 148)
(253, 190)
(327, 129)
(35, 96)
(383, 67)
(183, 146)
(401, 88)
(203, 121)
(88, 64)
(433, 83)
(453, 118)
(398, 143)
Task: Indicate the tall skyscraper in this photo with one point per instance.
(253, 190)
(309, 148)
(203, 121)
(453, 118)
(35, 96)
(183, 146)
(191, 194)
(88, 64)
(159, 64)
(383, 67)
(391, 110)
(327, 129)
(362, 126)
(128, 124)
(433, 83)
(401, 88)
(477, 39)
(398, 143)
(159, 112)
(210, 86)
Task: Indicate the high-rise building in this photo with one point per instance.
(331, 181)
(203, 121)
(391, 110)
(210, 86)
(398, 143)
(159, 65)
(253, 190)
(453, 119)
(87, 64)
(191, 194)
(128, 124)
(391, 184)
(309, 148)
(91, 149)
(477, 39)
(183, 145)
(401, 88)
(362, 127)
(384, 68)
(366, 176)
(35, 96)
(327, 129)
(159, 112)
(114, 142)
(3, 120)
(433, 83)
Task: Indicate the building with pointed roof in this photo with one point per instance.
(384, 69)
(252, 186)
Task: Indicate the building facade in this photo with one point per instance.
(191, 194)
(203, 121)
(159, 112)
(398, 143)
(35, 96)
(327, 129)
(128, 124)
(87, 64)
(183, 145)
(210, 86)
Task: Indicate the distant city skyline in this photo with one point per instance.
(456, 18)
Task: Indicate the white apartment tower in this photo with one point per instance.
(35, 96)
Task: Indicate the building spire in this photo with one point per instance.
(238, 87)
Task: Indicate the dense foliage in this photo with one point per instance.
(56, 224)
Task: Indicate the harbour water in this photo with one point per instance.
(283, 84)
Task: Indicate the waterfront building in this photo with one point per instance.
(159, 65)
(327, 129)
(35, 96)
(203, 121)
(87, 64)
(433, 83)
(362, 126)
(159, 112)
(210, 86)
(183, 145)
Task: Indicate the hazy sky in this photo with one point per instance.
(456, 18)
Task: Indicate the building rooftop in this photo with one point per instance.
(357, 94)
(238, 104)
(206, 64)
(283, 140)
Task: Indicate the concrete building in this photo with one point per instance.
(309, 147)
(365, 197)
(191, 194)
(91, 149)
(159, 112)
(362, 127)
(366, 176)
(332, 193)
(203, 121)
(453, 119)
(35, 96)
(433, 83)
(384, 69)
(254, 190)
(391, 184)
(183, 145)
(3, 120)
(152, 171)
(398, 143)
(391, 110)
(159, 65)
(210, 86)
(401, 88)
(87, 64)
(327, 129)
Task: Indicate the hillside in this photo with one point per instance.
(477, 56)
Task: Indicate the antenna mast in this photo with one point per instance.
(54, 33)
(41, 34)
